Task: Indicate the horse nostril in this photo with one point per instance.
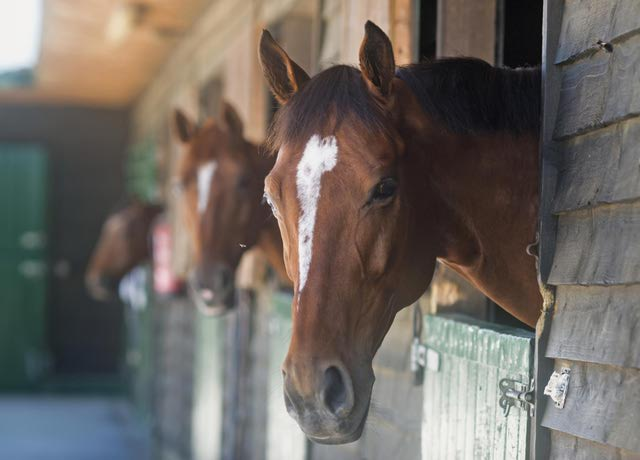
(337, 392)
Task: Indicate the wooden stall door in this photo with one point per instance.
(284, 437)
(590, 232)
(23, 269)
(466, 362)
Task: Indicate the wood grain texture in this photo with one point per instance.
(79, 65)
(565, 447)
(602, 405)
(600, 167)
(598, 246)
(586, 22)
(596, 324)
(600, 89)
(467, 28)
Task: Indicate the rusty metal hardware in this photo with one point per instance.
(514, 393)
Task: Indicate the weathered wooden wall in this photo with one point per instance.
(590, 253)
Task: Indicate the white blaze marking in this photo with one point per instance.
(205, 176)
(319, 156)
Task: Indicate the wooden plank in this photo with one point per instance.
(597, 324)
(600, 167)
(602, 404)
(600, 89)
(565, 446)
(598, 246)
(467, 28)
(404, 29)
(584, 22)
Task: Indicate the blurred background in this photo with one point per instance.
(87, 92)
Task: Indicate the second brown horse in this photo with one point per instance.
(221, 178)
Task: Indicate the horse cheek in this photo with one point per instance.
(379, 256)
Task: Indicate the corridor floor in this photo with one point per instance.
(69, 428)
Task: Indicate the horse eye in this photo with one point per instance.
(384, 190)
(274, 210)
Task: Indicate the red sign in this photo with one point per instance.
(164, 279)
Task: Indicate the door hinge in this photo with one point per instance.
(515, 393)
(422, 357)
(557, 387)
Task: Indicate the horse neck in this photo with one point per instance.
(488, 190)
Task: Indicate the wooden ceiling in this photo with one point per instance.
(79, 64)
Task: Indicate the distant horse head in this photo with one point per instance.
(221, 176)
(123, 244)
(380, 172)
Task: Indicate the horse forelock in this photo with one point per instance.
(335, 96)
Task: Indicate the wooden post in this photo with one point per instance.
(467, 28)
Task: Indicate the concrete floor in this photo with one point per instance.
(69, 428)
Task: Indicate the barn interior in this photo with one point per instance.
(85, 126)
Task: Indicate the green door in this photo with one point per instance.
(467, 362)
(285, 439)
(23, 268)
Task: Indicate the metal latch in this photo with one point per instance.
(558, 386)
(514, 393)
(418, 360)
(423, 357)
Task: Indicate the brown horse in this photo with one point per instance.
(123, 244)
(381, 171)
(221, 176)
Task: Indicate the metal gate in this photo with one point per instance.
(23, 270)
(471, 367)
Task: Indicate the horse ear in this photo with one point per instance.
(231, 119)
(184, 127)
(377, 63)
(284, 76)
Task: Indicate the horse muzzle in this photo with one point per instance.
(212, 289)
(326, 402)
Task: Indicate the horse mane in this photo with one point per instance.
(470, 96)
(466, 95)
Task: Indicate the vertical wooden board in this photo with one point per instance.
(483, 420)
(471, 404)
(284, 438)
(208, 387)
(467, 28)
(404, 28)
